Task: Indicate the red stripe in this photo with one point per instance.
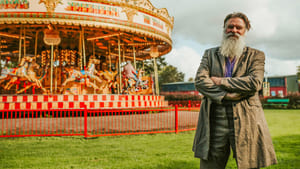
(39, 105)
(4, 98)
(35, 98)
(71, 104)
(6, 106)
(49, 105)
(92, 104)
(60, 105)
(85, 98)
(28, 105)
(17, 105)
(95, 98)
(66, 97)
(101, 104)
(55, 98)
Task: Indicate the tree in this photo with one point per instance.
(170, 74)
(148, 67)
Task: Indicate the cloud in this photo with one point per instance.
(186, 59)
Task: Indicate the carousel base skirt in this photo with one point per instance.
(91, 101)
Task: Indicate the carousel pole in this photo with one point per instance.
(51, 73)
(80, 48)
(134, 61)
(20, 44)
(35, 45)
(109, 56)
(24, 41)
(83, 48)
(35, 53)
(123, 53)
(156, 77)
(120, 78)
(94, 57)
(154, 53)
(94, 49)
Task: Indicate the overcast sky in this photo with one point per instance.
(198, 26)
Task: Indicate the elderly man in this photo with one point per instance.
(231, 115)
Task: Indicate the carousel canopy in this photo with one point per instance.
(136, 25)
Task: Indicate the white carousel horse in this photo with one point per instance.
(25, 72)
(83, 76)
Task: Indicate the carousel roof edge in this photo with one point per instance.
(144, 5)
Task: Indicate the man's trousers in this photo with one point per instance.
(221, 137)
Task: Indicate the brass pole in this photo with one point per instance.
(156, 77)
(20, 44)
(120, 77)
(51, 73)
(94, 48)
(134, 61)
(80, 49)
(94, 57)
(123, 53)
(109, 56)
(24, 41)
(83, 49)
(36, 40)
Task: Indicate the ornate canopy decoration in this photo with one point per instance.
(136, 22)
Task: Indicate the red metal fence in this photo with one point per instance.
(93, 123)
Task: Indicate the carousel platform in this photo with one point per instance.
(48, 102)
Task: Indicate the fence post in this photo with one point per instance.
(176, 118)
(85, 121)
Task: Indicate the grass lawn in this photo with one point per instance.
(153, 151)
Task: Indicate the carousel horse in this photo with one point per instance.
(8, 73)
(108, 80)
(85, 76)
(25, 72)
(36, 83)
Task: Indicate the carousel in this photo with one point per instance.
(68, 53)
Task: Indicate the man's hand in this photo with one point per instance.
(216, 80)
(233, 96)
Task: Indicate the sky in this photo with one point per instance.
(198, 25)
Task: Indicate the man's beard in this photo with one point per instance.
(232, 45)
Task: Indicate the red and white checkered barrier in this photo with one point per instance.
(34, 102)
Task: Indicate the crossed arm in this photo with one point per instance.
(230, 88)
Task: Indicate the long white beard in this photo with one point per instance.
(231, 46)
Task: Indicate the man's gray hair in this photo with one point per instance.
(238, 15)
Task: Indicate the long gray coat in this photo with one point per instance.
(254, 146)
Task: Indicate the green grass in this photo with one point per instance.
(155, 151)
